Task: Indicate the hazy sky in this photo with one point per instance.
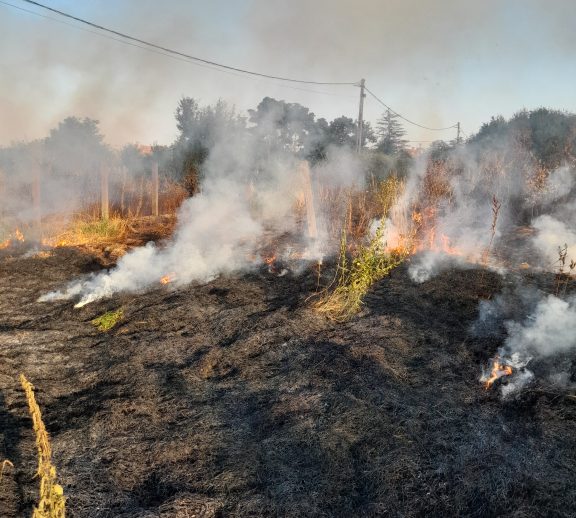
(435, 61)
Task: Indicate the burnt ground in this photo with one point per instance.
(235, 398)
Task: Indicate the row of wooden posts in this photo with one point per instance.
(304, 171)
(104, 193)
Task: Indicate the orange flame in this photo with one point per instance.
(12, 238)
(498, 370)
(420, 234)
(169, 277)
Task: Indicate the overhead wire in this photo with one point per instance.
(205, 63)
(404, 118)
(177, 58)
(183, 54)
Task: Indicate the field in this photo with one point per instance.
(237, 398)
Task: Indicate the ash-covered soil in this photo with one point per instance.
(235, 398)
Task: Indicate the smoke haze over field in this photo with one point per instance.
(435, 62)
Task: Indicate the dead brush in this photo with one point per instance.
(354, 278)
(496, 205)
(563, 276)
(52, 502)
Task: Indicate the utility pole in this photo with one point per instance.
(359, 136)
(458, 133)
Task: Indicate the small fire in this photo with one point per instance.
(15, 236)
(56, 242)
(270, 261)
(419, 234)
(499, 370)
(169, 277)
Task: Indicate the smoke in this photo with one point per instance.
(551, 236)
(63, 70)
(470, 204)
(550, 329)
(215, 235)
(247, 197)
(546, 330)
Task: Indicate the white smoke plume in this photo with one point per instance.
(553, 234)
(220, 229)
(214, 235)
(455, 203)
(547, 331)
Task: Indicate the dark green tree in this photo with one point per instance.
(76, 147)
(390, 133)
(200, 129)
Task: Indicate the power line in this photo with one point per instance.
(181, 54)
(404, 118)
(177, 58)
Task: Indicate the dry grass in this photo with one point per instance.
(84, 231)
(360, 207)
(52, 502)
(3, 466)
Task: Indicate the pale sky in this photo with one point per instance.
(436, 62)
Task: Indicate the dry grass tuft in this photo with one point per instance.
(90, 231)
(5, 463)
(52, 502)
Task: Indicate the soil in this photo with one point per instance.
(235, 398)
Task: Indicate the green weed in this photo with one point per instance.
(108, 320)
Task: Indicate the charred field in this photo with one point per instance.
(236, 398)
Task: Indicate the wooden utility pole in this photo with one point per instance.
(359, 136)
(104, 208)
(458, 133)
(154, 188)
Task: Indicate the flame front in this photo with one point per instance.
(419, 233)
(15, 236)
(499, 370)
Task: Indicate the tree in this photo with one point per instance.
(284, 126)
(201, 129)
(390, 131)
(76, 148)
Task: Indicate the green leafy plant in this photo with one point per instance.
(108, 320)
(354, 277)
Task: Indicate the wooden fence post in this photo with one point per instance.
(37, 199)
(155, 188)
(104, 208)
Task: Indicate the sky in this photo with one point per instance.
(437, 62)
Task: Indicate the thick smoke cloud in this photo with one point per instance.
(411, 50)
